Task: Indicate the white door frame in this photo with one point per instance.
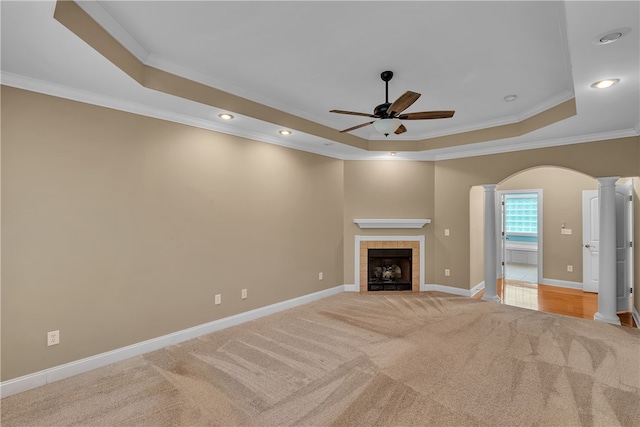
(624, 217)
(590, 243)
(500, 225)
(624, 242)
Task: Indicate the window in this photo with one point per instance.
(521, 213)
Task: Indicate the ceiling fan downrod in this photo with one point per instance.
(386, 76)
(381, 110)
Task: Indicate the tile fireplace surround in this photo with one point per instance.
(364, 243)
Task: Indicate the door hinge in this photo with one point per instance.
(631, 198)
(502, 263)
(630, 244)
(630, 290)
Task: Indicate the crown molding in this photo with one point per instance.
(536, 109)
(60, 91)
(449, 153)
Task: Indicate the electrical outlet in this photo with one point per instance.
(447, 272)
(218, 299)
(320, 276)
(566, 231)
(53, 338)
(570, 268)
(446, 231)
(244, 294)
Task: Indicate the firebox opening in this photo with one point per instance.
(389, 269)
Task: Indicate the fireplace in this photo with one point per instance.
(389, 269)
(410, 263)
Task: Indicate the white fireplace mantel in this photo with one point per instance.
(392, 223)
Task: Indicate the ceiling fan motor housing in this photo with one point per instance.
(381, 110)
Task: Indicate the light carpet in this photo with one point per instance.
(393, 359)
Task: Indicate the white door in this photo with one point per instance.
(624, 245)
(591, 240)
(503, 239)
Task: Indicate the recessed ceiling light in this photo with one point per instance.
(611, 36)
(603, 84)
(510, 98)
(285, 132)
(392, 154)
(225, 116)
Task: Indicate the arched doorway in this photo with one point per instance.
(561, 234)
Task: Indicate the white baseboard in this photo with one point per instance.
(433, 287)
(477, 288)
(636, 317)
(37, 379)
(447, 289)
(562, 283)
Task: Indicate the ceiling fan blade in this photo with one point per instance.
(352, 113)
(402, 103)
(424, 115)
(356, 127)
(400, 130)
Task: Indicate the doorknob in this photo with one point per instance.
(589, 246)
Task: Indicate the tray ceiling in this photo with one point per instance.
(277, 65)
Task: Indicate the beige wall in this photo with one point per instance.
(454, 178)
(387, 190)
(118, 228)
(562, 204)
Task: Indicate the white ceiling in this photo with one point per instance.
(306, 58)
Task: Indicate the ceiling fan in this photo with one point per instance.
(389, 114)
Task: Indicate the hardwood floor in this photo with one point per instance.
(552, 299)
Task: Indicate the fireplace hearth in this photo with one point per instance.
(389, 269)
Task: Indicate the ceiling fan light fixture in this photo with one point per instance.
(387, 126)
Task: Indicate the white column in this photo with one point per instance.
(607, 287)
(490, 244)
